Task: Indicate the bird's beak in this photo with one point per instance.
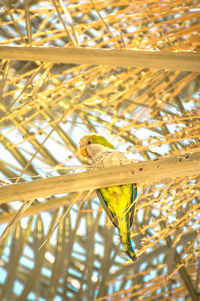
(83, 151)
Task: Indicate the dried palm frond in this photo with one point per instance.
(148, 108)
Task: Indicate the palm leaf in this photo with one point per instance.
(128, 70)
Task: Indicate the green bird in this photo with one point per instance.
(118, 201)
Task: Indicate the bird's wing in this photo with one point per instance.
(132, 209)
(112, 216)
(105, 206)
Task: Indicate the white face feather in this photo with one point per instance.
(92, 149)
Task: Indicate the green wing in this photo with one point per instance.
(132, 210)
(111, 213)
(105, 207)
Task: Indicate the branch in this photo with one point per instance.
(147, 172)
(179, 60)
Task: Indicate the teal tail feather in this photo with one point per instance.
(125, 239)
(131, 252)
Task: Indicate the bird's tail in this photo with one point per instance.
(124, 233)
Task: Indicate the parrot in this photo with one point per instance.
(117, 201)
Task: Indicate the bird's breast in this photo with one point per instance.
(109, 159)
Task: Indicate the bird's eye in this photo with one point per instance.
(89, 142)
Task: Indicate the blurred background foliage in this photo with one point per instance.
(46, 108)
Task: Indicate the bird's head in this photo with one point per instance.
(92, 144)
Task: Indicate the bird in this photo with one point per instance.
(117, 201)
